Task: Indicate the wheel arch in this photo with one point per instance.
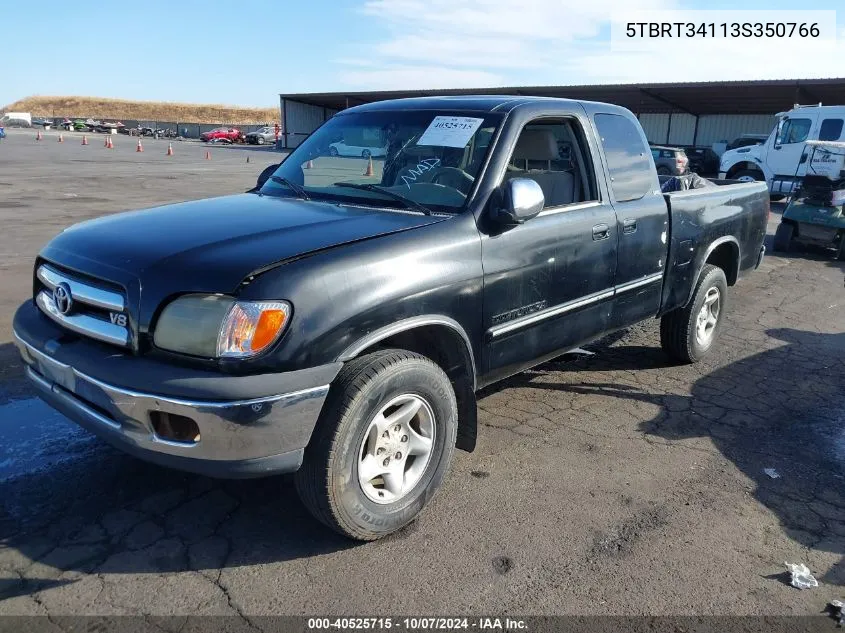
(443, 340)
(745, 165)
(725, 253)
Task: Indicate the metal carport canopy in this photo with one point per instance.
(696, 98)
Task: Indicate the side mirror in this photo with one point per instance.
(264, 176)
(520, 199)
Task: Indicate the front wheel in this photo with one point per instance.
(688, 333)
(382, 445)
(366, 153)
(783, 237)
(747, 175)
(260, 140)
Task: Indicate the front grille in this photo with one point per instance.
(82, 306)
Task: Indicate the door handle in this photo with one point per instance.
(601, 232)
(629, 225)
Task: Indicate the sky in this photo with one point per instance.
(247, 52)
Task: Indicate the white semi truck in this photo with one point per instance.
(782, 159)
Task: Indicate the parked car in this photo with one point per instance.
(342, 149)
(41, 122)
(670, 161)
(340, 328)
(224, 134)
(781, 160)
(702, 161)
(747, 140)
(262, 136)
(16, 119)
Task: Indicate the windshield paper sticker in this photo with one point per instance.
(450, 131)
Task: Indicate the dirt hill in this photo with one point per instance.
(99, 108)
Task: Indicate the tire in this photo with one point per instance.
(747, 175)
(783, 237)
(663, 171)
(329, 481)
(366, 153)
(260, 140)
(679, 333)
(333, 151)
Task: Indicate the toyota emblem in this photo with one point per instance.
(62, 298)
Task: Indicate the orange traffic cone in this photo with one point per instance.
(61, 140)
(38, 136)
(207, 155)
(109, 143)
(170, 149)
(369, 171)
(84, 140)
(140, 147)
(309, 165)
(106, 144)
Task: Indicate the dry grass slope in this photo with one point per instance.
(100, 108)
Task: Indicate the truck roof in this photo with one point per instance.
(477, 103)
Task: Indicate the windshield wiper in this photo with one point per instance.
(410, 204)
(292, 186)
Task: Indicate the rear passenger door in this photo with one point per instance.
(642, 218)
(548, 283)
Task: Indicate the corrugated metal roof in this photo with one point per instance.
(713, 97)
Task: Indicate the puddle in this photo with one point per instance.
(35, 437)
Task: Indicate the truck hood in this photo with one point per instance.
(212, 245)
(732, 156)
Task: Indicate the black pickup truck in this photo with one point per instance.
(338, 319)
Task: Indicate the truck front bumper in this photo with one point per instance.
(114, 395)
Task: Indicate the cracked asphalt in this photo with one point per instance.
(608, 483)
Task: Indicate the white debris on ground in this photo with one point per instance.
(801, 576)
(771, 472)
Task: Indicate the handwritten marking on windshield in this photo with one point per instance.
(423, 166)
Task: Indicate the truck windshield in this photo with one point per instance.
(417, 159)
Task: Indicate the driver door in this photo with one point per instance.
(784, 158)
(548, 283)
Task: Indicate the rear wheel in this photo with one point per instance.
(366, 153)
(382, 446)
(688, 333)
(260, 140)
(333, 151)
(783, 237)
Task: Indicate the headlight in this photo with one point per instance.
(213, 325)
(251, 327)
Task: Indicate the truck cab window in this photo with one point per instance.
(794, 131)
(830, 130)
(552, 153)
(627, 161)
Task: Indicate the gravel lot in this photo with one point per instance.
(603, 484)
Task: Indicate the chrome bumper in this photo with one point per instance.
(242, 438)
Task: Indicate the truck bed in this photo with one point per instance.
(732, 215)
